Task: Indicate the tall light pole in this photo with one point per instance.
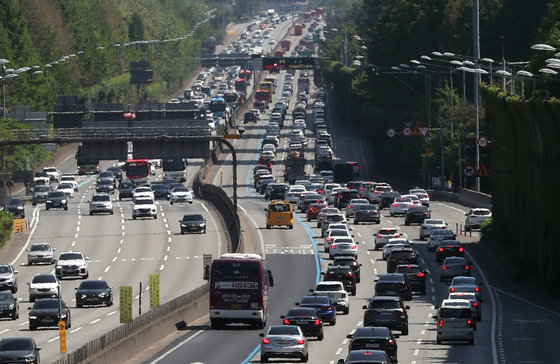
(476, 47)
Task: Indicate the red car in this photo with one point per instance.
(314, 210)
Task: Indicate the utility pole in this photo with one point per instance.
(476, 47)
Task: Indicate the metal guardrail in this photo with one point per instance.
(30, 136)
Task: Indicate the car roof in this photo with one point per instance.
(368, 331)
(391, 277)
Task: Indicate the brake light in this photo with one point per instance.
(378, 235)
(440, 323)
(349, 206)
(444, 267)
(397, 235)
(391, 341)
(333, 246)
(317, 322)
(440, 249)
(477, 289)
(377, 192)
(301, 342)
(261, 302)
(475, 304)
(266, 341)
(469, 322)
(350, 275)
(339, 196)
(354, 247)
(211, 300)
(452, 289)
(395, 205)
(286, 322)
(460, 249)
(421, 274)
(343, 295)
(330, 308)
(467, 267)
(329, 239)
(411, 205)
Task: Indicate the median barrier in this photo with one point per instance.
(127, 340)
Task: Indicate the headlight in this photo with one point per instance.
(32, 317)
(63, 201)
(82, 296)
(11, 306)
(9, 279)
(103, 294)
(201, 225)
(49, 201)
(58, 267)
(183, 225)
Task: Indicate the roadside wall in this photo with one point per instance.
(465, 197)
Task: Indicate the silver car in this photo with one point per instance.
(422, 195)
(400, 206)
(343, 247)
(466, 284)
(351, 207)
(453, 267)
(8, 279)
(430, 225)
(383, 235)
(284, 341)
(40, 253)
(324, 211)
(455, 323)
(100, 202)
(335, 233)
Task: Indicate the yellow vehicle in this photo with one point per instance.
(280, 213)
(266, 85)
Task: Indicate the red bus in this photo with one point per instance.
(240, 85)
(263, 95)
(239, 285)
(285, 44)
(298, 29)
(138, 170)
(307, 16)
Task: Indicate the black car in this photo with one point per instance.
(376, 338)
(401, 255)
(94, 292)
(193, 223)
(117, 172)
(388, 311)
(105, 186)
(393, 284)
(15, 207)
(351, 262)
(344, 197)
(44, 313)
(366, 213)
(449, 248)
(263, 183)
(9, 306)
(387, 198)
(416, 215)
(276, 191)
(19, 350)
(40, 194)
(126, 189)
(307, 319)
(323, 305)
(344, 274)
(308, 200)
(416, 276)
(160, 191)
(249, 117)
(365, 357)
(56, 200)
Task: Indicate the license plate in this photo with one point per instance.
(300, 322)
(235, 306)
(385, 313)
(372, 346)
(48, 321)
(391, 292)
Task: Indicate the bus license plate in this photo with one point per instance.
(235, 306)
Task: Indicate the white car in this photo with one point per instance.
(181, 195)
(144, 207)
(430, 225)
(329, 219)
(41, 179)
(52, 172)
(400, 206)
(466, 284)
(351, 207)
(294, 192)
(100, 202)
(141, 192)
(71, 264)
(422, 195)
(334, 233)
(71, 180)
(337, 294)
(343, 247)
(324, 211)
(383, 235)
(475, 218)
(67, 188)
(43, 285)
(393, 244)
(268, 154)
(333, 194)
(327, 189)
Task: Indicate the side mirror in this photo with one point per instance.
(282, 317)
(261, 334)
(375, 280)
(75, 288)
(322, 273)
(360, 264)
(28, 283)
(435, 318)
(265, 209)
(340, 361)
(407, 307)
(297, 303)
(364, 307)
(349, 336)
(29, 308)
(16, 272)
(311, 290)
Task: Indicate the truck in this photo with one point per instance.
(294, 173)
(295, 158)
(303, 84)
(270, 12)
(285, 44)
(343, 173)
(298, 29)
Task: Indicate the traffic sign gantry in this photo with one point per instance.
(469, 170)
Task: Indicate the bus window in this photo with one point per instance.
(138, 170)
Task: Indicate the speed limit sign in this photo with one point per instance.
(391, 132)
(483, 142)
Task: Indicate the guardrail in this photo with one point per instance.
(464, 197)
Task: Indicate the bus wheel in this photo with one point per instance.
(216, 325)
(261, 324)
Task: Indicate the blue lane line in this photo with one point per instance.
(318, 259)
(86, 181)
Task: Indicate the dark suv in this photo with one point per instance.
(342, 274)
(323, 305)
(378, 338)
(344, 197)
(126, 189)
(56, 200)
(401, 256)
(393, 284)
(351, 262)
(416, 276)
(449, 248)
(387, 198)
(388, 311)
(416, 215)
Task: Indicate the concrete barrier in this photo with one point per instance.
(465, 197)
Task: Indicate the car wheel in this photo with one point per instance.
(333, 322)
(171, 202)
(86, 276)
(204, 231)
(111, 212)
(15, 315)
(133, 217)
(267, 226)
(354, 292)
(441, 279)
(34, 204)
(46, 208)
(406, 223)
(471, 342)
(66, 208)
(32, 327)
(346, 310)
(356, 222)
(305, 358)
(320, 337)
(264, 359)
(438, 341)
(404, 331)
(423, 290)
(155, 217)
(79, 305)
(91, 213)
(291, 226)
(110, 303)
(318, 226)
(182, 232)
(215, 324)
(31, 299)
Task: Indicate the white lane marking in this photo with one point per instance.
(372, 261)
(419, 341)
(73, 243)
(123, 233)
(360, 235)
(76, 236)
(375, 270)
(53, 339)
(24, 323)
(167, 226)
(416, 352)
(344, 342)
(168, 248)
(158, 359)
(338, 351)
(121, 241)
(76, 329)
(35, 212)
(122, 226)
(147, 287)
(165, 257)
(168, 232)
(119, 250)
(204, 207)
(162, 266)
(169, 239)
(122, 215)
(114, 259)
(94, 321)
(111, 313)
(451, 207)
(78, 221)
(5, 330)
(422, 332)
(100, 278)
(162, 213)
(107, 269)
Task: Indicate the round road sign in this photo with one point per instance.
(483, 142)
(407, 131)
(391, 132)
(468, 170)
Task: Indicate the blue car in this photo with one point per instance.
(325, 309)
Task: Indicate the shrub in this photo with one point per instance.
(6, 223)
(486, 227)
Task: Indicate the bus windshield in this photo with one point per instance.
(217, 104)
(137, 168)
(176, 164)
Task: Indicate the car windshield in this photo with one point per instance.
(455, 313)
(44, 278)
(464, 281)
(391, 278)
(338, 233)
(104, 182)
(5, 269)
(93, 285)
(434, 222)
(42, 189)
(64, 186)
(407, 269)
(97, 198)
(159, 188)
(143, 189)
(442, 232)
(335, 217)
(387, 232)
(70, 256)
(302, 312)
(314, 300)
(5, 296)
(328, 287)
(106, 174)
(40, 247)
(52, 303)
(481, 212)
(19, 344)
(181, 189)
(366, 207)
(144, 201)
(193, 218)
(127, 184)
(56, 194)
(283, 330)
(14, 202)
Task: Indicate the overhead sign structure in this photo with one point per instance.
(483, 142)
(275, 63)
(483, 171)
(391, 132)
(154, 290)
(469, 170)
(407, 131)
(125, 304)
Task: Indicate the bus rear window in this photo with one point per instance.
(236, 270)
